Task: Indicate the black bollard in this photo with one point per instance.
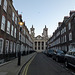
(19, 58)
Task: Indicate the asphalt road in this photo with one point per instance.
(43, 65)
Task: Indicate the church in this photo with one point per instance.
(39, 42)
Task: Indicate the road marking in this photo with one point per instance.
(27, 66)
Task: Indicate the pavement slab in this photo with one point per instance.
(12, 68)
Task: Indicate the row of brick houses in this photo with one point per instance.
(10, 32)
(64, 35)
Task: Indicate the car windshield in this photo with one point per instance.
(50, 51)
(59, 51)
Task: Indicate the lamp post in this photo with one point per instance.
(19, 53)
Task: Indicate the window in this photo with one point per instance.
(11, 45)
(64, 29)
(70, 36)
(12, 30)
(73, 53)
(65, 38)
(24, 31)
(13, 16)
(0, 2)
(15, 33)
(1, 45)
(65, 48)
(15, 20)
(35, 43)
(8, 27)
(3, 23)
(6, 46)
(69, 25)
(5, 5)
(14, 47)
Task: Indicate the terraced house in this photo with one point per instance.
(64, 35)
(10, 32)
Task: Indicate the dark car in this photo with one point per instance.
(59, 55)
(50, 53)
(70, 58)
(45, 52)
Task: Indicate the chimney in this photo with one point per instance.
(17, 11)
(20, 16)
(72, 12)
(66, 18)
(59, 24)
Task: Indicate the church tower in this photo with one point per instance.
(45, 32)
(32, 31)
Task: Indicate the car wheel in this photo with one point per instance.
(66, 63)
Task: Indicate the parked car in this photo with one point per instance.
(70, 58)
(45, 52)
(59, 55)
(50, 53)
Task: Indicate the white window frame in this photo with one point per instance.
(15, 32)
(69, 47)
(6, 51)
(65, 38)
(19, 35)
(13, 15)
(15, 20)
(70, 36)
(11, 46)
(12, 28)
(2, 45)
(14, 47)
(3, 23)
(8, 27)
(24, 31)
(69, 25)
(0, 2)
(5, 5)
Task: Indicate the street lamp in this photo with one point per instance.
(19, 53)
(20, 23)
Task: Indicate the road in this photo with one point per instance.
(43, 65)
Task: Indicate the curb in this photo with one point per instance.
(4, 63)
(24, 65)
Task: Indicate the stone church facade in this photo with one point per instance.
(39, 42)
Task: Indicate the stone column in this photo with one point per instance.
(37, 45)
(40, 45)
(44, 45)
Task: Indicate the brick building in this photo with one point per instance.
(64, 35)
(10, 32)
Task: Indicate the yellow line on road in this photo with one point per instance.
(27, 66)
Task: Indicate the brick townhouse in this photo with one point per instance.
(10, 32)
(64, 35)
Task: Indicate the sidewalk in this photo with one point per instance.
(11, 68)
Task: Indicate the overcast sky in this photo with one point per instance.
(44, 12)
